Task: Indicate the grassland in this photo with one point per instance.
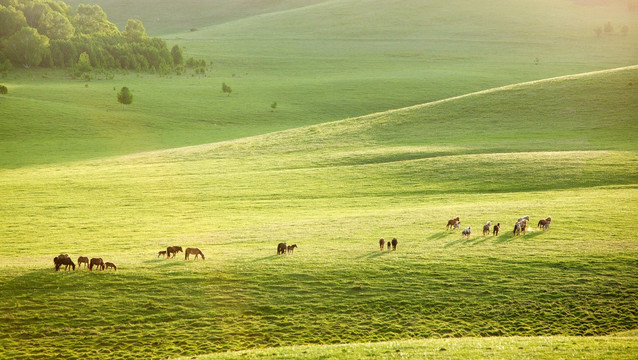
(334, 189)
(320, 63)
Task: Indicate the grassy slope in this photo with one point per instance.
(334, 189)
(320, 63)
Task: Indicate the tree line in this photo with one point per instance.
(49, 33)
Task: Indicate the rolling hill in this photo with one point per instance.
(539, 149)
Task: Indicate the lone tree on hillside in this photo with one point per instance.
(273, 106)
(3, 90)
(226, 89)
(125, 97)
(178, 57)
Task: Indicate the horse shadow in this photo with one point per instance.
(270, 257)
(373, 254)
(439, 235)
(455, 242)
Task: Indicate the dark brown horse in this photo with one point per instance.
(83, 260)
(97, 262)
(195, 251)
(281, 248)
(394, 244)
(544, 223)
(291, 248)
(496, 229)
(382, 243)
(63, 259)
(452, 222)
(110, 265)
(173, 250)
(161, 253)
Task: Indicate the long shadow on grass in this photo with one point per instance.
(509, 237)
(373, 254)
(271, 257)
(439, 235)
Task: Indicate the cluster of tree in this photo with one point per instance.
(49, 33)
(608, 29)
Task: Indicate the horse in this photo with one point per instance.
(281, 248)
(291, 248)
(486, 228)
(83, 260)
(389, 243)
(161, 253)
(394, 244)
(65, 260)
(451, 222)
(381, 243)
(110, 265)
(544, 223)
(467, 232)
(98, 262)
(195, 251)
(526, 218)
(173, 250)
(496, 229)
(520, 226)
(457, 225)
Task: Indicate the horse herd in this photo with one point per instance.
(65, 260)
(282, 248)
(519, 227)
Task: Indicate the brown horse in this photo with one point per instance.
(63, 259)
(281, 248)
(389, 243)
(544, 223)
(83, 260)
(195, 251)
(110, 265)
(452, 222)
(520, 226)
(173, 250)
(496, 229)
(161, 253)
(382, 243)
(97, 262)
(291, 248)
(394, 244)
(486, 228)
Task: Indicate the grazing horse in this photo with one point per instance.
(291, 248)
(110, 265)
(83, 260)
(496, 229)
(195, 251)
(98, 262)
(544, 223)
(394, 244)
(63, 259)
(452, 222)
(486, 228)
(281, 248)
(381, 243)
(467, 232)
(161, 253)
(173, 250)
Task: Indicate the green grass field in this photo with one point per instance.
(333, 169)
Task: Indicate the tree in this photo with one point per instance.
(91, 19)
(124, 97)
(598, 31)
(135, 31)
(26, 47)
(84, 63)
(609, 28)
(11, 20)
(227, 89)
(55, 26)
(273, 106)
(3, 90)
(178, 57)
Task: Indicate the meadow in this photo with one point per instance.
(333, 169)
